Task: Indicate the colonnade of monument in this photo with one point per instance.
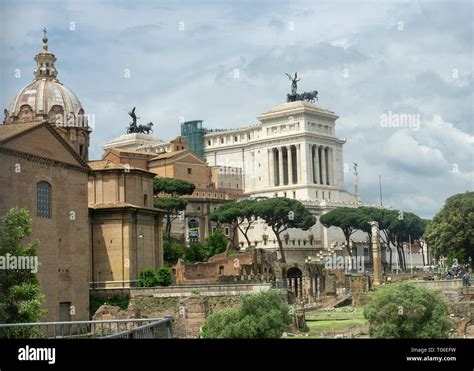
(286, 162)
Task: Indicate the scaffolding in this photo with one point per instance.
(193, 133)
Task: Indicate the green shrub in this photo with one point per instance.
(165, 276)
(261, 316)
(172, 251)
(216, 243)
(147, 278)
(406, 311)
(196, 253)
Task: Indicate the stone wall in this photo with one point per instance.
(359, 283)
(462, 314)
(254, 264)
(189, 313)
(361, 298)
(300, 254)
(105, 293)
(190, 305)
(440, 285)
(205, 290)
(405, 276)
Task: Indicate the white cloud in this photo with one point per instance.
(404, 153)
(190, 74)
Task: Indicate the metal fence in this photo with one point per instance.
(119, 328)
(161, 329)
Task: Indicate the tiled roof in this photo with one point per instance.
(108, 165)
(166, 155)
(114, 205)
(111, 165)
(12, 130)
(131, 151)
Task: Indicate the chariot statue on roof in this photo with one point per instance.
(135, 128)
(310, 96)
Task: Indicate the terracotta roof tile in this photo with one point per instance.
(108, 165)
(114, 205)
(131, 151)
(11, 130)
(163, 156)
(111, 165)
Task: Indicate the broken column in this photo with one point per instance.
(376, 253)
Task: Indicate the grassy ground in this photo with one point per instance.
(329, 315)
(316, 327)
(334, 321)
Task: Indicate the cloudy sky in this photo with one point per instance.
(373, 63)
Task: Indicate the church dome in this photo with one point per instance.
(46, 98)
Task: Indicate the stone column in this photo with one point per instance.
(305, 160)
(271, 165)
(297, 160)
(318, 287)
(290, 165)
(323, 166)
(317, 180)
(330, 166)
(281, 167)
(376, 253)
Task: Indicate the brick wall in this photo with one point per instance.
(63, 251)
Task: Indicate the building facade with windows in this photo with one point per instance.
(41, 172)
(44, 147)
(214, 186)
(292, 152)
(44, 142)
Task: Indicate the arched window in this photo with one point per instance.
(43, 199)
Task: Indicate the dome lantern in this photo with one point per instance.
(45, 62)
(47, 99)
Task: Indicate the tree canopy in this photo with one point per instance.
(171, 206)
(281, 213)
(240, 215)
(396, 226)
(169, 191)
(172, 250)
(348, 219)
(216, 242)
(406, 311)
(451, 232)
(173, 186)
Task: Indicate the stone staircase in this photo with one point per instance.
(331, 302)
